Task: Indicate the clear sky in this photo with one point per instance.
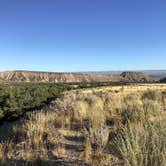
(82, 35)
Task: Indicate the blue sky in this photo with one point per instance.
(82, 35)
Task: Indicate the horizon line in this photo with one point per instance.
(83, 71)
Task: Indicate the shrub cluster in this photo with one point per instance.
(15, 98)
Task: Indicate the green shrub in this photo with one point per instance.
(151, 108)
(132, 113)
(21, 96)
(145, 146)
(151, 95)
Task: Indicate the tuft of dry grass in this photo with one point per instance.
(6, 150)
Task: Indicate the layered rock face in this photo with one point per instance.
(30, 76)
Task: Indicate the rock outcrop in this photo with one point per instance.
(134, 77)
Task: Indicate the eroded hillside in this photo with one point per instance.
(31, 76)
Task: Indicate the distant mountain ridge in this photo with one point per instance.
(32, 76)
(58, 77)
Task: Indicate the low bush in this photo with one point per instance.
(151, 95)
(143, 146)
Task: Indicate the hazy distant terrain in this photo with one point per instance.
(153, 74)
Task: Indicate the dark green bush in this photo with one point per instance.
(20, 96)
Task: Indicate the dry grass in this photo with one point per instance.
(113, 116)
(6, 150)
(38, 139)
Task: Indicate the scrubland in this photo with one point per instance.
(120, 125)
